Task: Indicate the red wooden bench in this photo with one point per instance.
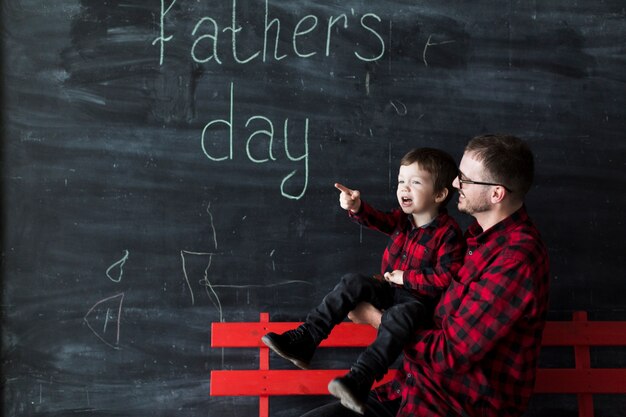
(582, 380)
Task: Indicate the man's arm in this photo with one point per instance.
(489, 309)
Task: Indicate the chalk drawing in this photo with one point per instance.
(400, 107)
(119, 264)
(204, 281)
(429, 43)
(112, 299)
(208, 210)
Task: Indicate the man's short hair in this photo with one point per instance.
(441, 166)
(507, 159)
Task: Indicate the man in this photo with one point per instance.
(480, 357)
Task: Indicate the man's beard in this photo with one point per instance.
(479, 205)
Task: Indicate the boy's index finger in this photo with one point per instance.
(343, 188)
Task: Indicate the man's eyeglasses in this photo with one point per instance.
(463, 180)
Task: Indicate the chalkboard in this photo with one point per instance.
(169, 164)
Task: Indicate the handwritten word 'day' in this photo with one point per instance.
(207, 33)
(255, 140)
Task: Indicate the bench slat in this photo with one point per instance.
(557, 333)
(581, 381)
(276, 382)
(591, 333)
(315, 382)
(242, 334)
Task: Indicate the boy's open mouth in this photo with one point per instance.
(406, 200)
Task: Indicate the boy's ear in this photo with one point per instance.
(441, 195)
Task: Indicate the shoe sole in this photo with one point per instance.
(338, 390)
(270, 344)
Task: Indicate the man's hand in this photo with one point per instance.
(349, 199)
(365, 313)
(397, 277)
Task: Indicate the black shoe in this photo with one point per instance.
(295, 345)
(352, 389)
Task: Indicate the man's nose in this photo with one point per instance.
(455, 183)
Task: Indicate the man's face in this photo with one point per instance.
(473, 198)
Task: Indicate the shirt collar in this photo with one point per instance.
(504, 226)
(436, 222)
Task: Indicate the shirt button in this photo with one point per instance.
(404, 256)
(398, 391)
(470, 252)
(409, 376)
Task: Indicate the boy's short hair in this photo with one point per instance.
(441, 166)
(507, 159)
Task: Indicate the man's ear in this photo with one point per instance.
(498, 194)
(441, 195)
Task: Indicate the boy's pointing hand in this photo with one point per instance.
(349, 199)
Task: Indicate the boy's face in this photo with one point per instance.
(416, 193)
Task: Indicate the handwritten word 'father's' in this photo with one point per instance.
(206, 34)
(263, 145)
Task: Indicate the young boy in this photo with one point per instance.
(425, 250)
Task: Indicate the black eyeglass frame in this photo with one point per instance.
(468, 181)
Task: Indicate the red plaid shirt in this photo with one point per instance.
(429, 256)
(480, 358)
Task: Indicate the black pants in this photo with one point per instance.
(403, 314)
(373, 408)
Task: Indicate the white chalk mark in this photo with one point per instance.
(402, 110)
(119, 319)
(208, 210)
(273, 263)
(428, 43)
(119, 263)
(204, 281)
(367, 83)
(182, 258)
(106, 321)
(209, 290)
(162, 38)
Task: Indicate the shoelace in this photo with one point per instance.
(295, 334)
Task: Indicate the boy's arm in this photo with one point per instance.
(375, 219)
(433, 280)
(365, 214)
(349, 199)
